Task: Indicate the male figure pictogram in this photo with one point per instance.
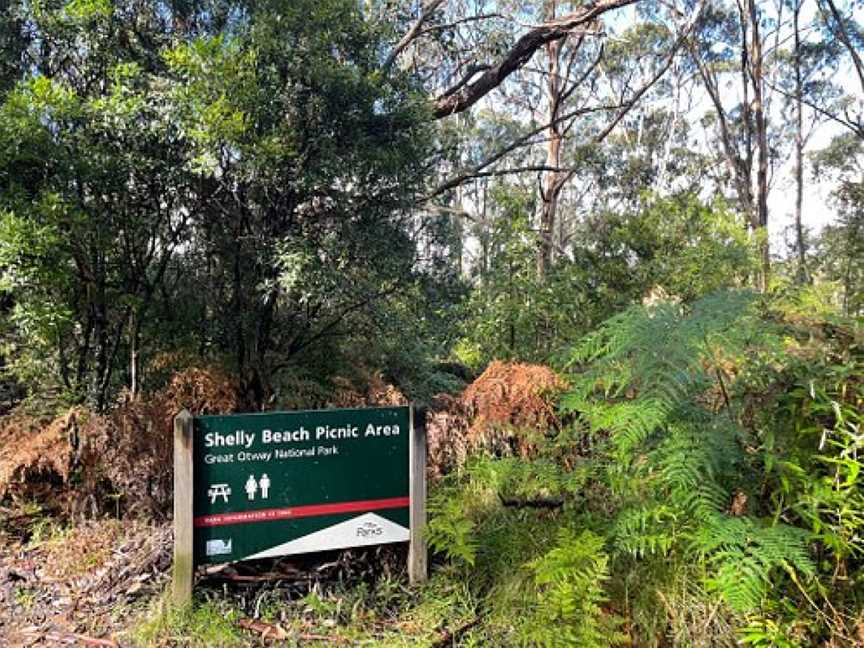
(264, 482)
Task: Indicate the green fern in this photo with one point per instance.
(450, 530)
(640, 383)
(743, 555)
(570, 579)
(646, 530)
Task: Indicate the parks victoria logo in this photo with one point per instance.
(369, 530)
(297, 482)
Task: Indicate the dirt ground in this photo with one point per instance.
(95, 582)
(68, 586)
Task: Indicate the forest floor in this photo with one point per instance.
(105, 583)
(67, 584)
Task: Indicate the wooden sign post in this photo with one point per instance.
(417, 550)
(184, 558)
(250, 486)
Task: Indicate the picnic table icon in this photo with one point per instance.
(219, 490)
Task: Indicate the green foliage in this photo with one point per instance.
(688, 247)
(840, 245)
(450, 531)
(224, 180)
(512, 313)
(812, 444)
(678, 246)
(668, 393)
(570, 578)
(683, 471)
(742, 556)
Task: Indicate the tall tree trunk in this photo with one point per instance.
(552, 180)
(802, 276)
(757, 78)
(740, 165)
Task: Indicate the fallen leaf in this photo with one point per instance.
(266, 630)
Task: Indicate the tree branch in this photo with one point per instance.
(623, 108)
(412, 33)
(854, 126)
(451, 102)
(627, 105)
(843, 35)
(476, 171)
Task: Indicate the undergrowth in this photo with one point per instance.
(202, 625)
(698, 485)
(703, 488)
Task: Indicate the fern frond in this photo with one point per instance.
(570, 579)
(744, 554)
(646, 530)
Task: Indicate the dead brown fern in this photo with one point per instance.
(446, 435)
(33, 449)
(374, 392)
(510, 398)
(123, 456)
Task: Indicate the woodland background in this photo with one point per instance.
(616, 248)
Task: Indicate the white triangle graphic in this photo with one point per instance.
(364, 530)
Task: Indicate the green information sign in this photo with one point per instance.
(296, 482)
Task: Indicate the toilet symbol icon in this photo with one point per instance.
(251, 487)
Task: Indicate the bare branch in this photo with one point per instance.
(849, 122)
(451, 102)
(461, 21)
(524, 140)
(412, 33)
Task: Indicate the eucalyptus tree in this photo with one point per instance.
(730, 48)
(806, 68)
(554, 79)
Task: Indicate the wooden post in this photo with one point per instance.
(183, 558)
(417, 550)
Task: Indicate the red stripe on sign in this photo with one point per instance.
(309, 510)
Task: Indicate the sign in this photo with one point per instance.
(284, 483)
